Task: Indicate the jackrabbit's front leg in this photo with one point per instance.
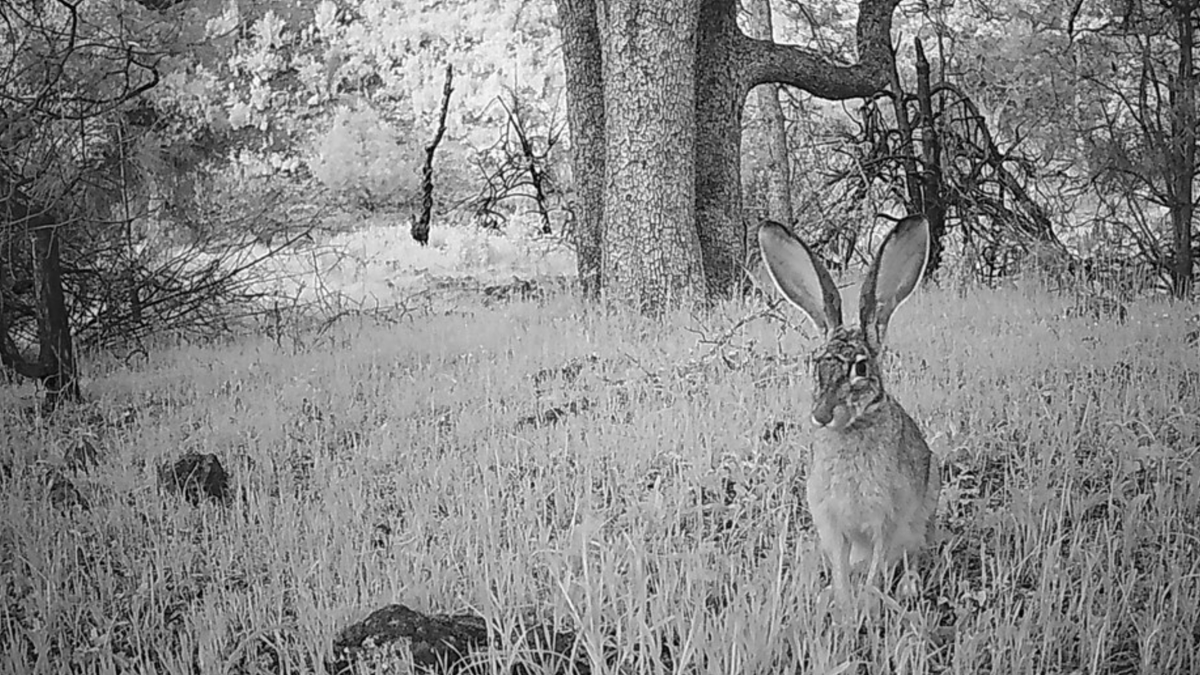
(837, 549)
(878, 557)
(910, 583)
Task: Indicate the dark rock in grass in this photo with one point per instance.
(63, 493)
(554, 415)
(399, 639)
(404, 639)
(517, 289)
(196, 476)
(81, 456)
(568, 372)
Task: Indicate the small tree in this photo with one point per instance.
(1145, 146)
(61, 72)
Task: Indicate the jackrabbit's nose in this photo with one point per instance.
(822, 416)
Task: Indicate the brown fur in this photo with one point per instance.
(873, 483)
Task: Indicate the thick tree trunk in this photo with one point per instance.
(771, 126)
(669, 225)
(585, 116)
(650, 252)
(720, 98)
(1183, 166)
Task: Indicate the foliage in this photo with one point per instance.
(366, 161)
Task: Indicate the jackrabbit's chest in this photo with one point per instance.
(850, 485)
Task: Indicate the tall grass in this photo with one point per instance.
(661, 517)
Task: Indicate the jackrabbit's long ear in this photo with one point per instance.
(897, 269)
(800, 276)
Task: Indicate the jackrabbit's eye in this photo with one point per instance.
(859, 369)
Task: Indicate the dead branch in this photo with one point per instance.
(420, 227)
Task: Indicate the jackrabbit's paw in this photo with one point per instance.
(910, 585)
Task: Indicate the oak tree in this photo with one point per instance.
(655, 94)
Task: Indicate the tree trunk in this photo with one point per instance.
(54, 330)
(771, 126)
(585, 117)
(720, 98)
(55, 367)
(908, 155)
(933, 201)
(669, 225)
(1183, 155)
(650, 252)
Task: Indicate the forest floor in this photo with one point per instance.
(637, 483)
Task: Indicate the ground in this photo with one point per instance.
(637, 483)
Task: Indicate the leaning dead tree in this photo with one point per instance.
(420, 227)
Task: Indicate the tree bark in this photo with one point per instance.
(729, 64)
(1183, 166)
(585, 117)
(56, 358)
(720, 99)
(771, 126)
(420, 226)
(668, 227)
(54, 327)
(933, 201)
(650, 252)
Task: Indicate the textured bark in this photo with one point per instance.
(816, 73)
(55, 367)
(650, 252)
(668, 226)
(729, 64)
(720, 99)
(933, 201)
(1183, 154)
(770, 124)
(54, 331)
(585, 116)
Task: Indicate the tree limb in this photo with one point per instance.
(767, 62)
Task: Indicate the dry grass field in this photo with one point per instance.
(638, 483)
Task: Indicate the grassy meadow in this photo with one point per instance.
(625, 479)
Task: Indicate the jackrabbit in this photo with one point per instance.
(873, 483)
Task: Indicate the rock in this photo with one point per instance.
(405, 639)
(554, 415)
(196, 476)
(397, 639)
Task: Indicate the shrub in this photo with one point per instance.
(364, 160)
